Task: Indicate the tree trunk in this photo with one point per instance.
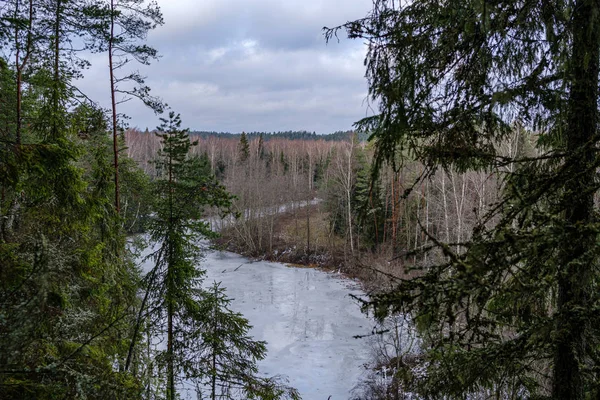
(170, 364)
(349, 196)
(308, 226)
(56, 94)
(114, 105)
(215, 326)
(170, 292)
(574, 278)
(20, 65)
(17, 66)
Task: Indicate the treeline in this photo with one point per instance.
(78, 318)
(291, 135)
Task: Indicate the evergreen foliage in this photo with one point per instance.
(206, 342)
(66, 297)
(243, 148)
(366, 204)
(117, 27)
(261, 147)
(184, 187)
(513, 310)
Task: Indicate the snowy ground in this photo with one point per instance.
(306, 316)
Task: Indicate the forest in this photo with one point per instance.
(466, 206)
(78, 318)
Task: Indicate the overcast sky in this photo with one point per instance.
(252, 65)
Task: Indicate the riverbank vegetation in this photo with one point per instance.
(314, 201)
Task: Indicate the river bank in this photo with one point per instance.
(303, 238)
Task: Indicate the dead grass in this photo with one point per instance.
(292, 229)
(375, 270)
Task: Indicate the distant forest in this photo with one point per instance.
(292, 135)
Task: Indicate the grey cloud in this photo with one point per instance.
(276, 24)
(252, 65)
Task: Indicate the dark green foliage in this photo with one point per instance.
(513, 311)
(68, 286)
(366, 204)
(206, 342)
(284, 162)
(136, 197)
(90, 125)
(132, 20)
(65, 295)
(261, 147)
(183, 188)
(243, 148)
(319, 172)
(183, 182)
(7, 103)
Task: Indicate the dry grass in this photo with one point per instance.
(376, 270)
(292, 229)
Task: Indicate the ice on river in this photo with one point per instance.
(307, 318)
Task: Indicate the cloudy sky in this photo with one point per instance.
(252, 65)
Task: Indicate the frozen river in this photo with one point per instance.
(307, 318)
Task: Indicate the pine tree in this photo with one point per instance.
(117, 28)
(66, 295)
(366, 203)
(515, 310)
(261, 147)
(184, 188)
(243, 148)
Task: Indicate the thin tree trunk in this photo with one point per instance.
(214, 352)
(17, 66)
(444, 197)
(426, 239)
(307, 227)
(372, 205)
(385, 214)
(56, 95)
(20, 65)
(114, 105)
(394, 213)
(170, 364)
(349, 195)
(214, 377)
(575, 280)
(170, 293)
(138, 322)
